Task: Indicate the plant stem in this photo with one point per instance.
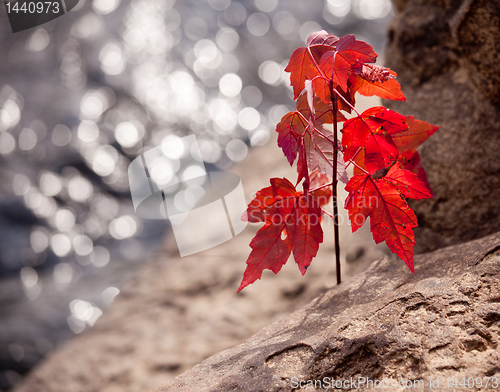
(334, 184)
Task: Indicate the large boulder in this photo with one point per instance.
(384, 324)
(446, 54)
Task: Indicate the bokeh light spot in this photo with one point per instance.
(249, 118)
(123, 227)
(266, 5)
(270, 72)
(7, 143)
(230, 85)
(105, 7)
(127, 134)
(60, 244)
(258, 24)
(39, 40)
(236, 150)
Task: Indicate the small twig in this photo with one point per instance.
(319, 187)
(326, 212)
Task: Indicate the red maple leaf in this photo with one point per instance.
(417, 133)
(371, 79)
(410, 160)
(321, 187)
(291, 224)
(383, 200)
(322, 38)
(302, 133)
(338, 64)
(368, 138)
(303, 64)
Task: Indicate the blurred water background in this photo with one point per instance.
(83, 95)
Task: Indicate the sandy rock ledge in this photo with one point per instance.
(385, 323)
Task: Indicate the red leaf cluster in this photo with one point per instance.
(291, 224)
(380, 143)
(383, 200)
(302, 133)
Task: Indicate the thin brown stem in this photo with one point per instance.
(334, 184)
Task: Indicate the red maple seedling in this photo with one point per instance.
(380, 144)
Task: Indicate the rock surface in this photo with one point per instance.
(443, 321)
(446, 55)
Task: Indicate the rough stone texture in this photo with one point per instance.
(177, 311)
(443, 321)
(446, 54)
